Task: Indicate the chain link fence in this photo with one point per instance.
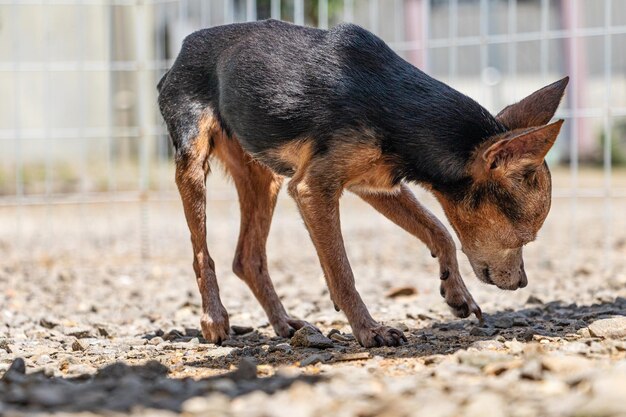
(79, 125)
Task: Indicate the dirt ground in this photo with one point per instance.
(100, 302)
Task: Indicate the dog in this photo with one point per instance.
(338, 110)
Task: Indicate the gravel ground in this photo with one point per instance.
(100, 303)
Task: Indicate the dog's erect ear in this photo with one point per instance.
(526, 150)
(535, 110)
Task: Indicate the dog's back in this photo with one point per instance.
(270, 82)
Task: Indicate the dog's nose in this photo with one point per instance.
(523, 281)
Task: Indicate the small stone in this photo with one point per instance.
(532, 370)
(173, 335)
(497, 368)
(335, 335)
(103, 332)
(400, 326)
(532, 299)
(611, 328)
(483, 331)
(78, 332)
(332, 332)
(566, 364)
(514, 346)
(310, 338)
(233, 343)
(316, 358)
(157, 340)
(241, 330)
(4, 344)
(48, 324)
(527, 335)
(194, 341)
(503, 322)
(281, 347)
(520, 321)
(43, 359)
(246, 370)
(359, 356)
(18, 366)
(401, 292)
(77, 346)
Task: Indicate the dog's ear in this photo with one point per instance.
(523, 151)
(535, 110)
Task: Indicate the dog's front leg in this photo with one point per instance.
(318, 202)
(403, 209)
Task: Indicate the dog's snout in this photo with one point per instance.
(523, 281)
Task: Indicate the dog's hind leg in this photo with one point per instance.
(403, 209)
(193, 141)
(258, 188)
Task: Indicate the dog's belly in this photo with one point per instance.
(358, 167)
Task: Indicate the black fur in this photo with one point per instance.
(271, 82)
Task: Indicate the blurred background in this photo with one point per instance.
(86, 169)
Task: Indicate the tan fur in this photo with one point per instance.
(192, 168)
(258, 189)
(294, 154)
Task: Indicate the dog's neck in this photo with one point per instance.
(433, 145)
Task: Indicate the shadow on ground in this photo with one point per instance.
(120, 387)
(555, 319)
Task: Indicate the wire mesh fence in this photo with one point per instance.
(79, 122)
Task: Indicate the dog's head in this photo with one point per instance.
(508, 195)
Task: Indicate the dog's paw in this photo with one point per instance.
(286, 326)
(458, 298)
(378, 336)
(215, 326)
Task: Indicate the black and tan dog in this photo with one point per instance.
(337, 110)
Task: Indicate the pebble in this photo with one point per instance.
(316, 358)
(43, 359)
(157, 340)
(611, 328)
(338, 337)
(401, 292)
(352, 356)
(532, 369)
(77, 346)
(47, 323)
(281, 347)
(532, 299)
(78, 332)
(309, 337)
(503, 322)
(241, 330)
(4, 344)
(482, 331)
